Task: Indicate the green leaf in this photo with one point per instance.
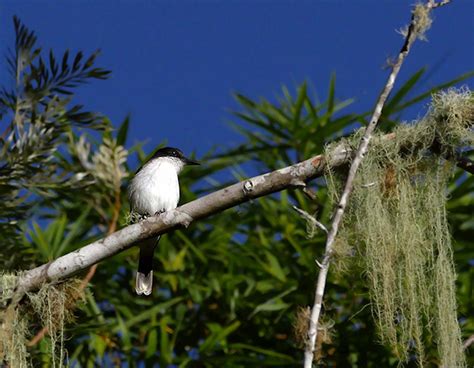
(58, 228)
(262, 124)
(298, 106)
(77, 60)
(155, 309)
(123, 131)
(218, 335)
(403, 91)
(273, 267)
(267, 352)
(274, 304)
(331, 95)
(64, 64)
(98, 343)
(125, 332)
(38, 236)
(165, 348)
(191, 245)
(429, 93)
(152, 343)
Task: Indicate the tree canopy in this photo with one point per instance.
(229, 288)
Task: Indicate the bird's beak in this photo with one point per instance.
(188, 161)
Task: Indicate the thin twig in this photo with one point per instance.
(414, 31)
(466, 164)
(310, 193)
(433, 4)
(310, 219)
(469, 341)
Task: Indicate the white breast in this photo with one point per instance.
(155, 188)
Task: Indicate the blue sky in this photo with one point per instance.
(175, 64)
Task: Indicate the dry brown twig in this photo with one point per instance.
(420, 22)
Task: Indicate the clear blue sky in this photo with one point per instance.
(176, 63)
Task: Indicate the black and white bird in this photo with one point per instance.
(153, 190)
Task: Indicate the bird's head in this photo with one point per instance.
(175, 156)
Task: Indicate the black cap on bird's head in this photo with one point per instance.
(174, 152)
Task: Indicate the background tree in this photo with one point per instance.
(228, 289)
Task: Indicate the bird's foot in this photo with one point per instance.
(135, 217)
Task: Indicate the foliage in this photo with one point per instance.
(228, 289)
(37, 114)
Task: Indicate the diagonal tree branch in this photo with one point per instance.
(292, 176)
(420, 22)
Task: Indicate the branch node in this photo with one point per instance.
(177, 217)
(298, 183)
(318, 263)
(247, 187)
(310, 193)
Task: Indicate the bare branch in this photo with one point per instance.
(310, 219)
(420, 22)
(85, 257)
(213, 203)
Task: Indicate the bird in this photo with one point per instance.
(154, 189)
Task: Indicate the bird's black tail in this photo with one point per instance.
(144, 279)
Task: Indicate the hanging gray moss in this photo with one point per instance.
(396, 223)
(51, 305)
(13, 328)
